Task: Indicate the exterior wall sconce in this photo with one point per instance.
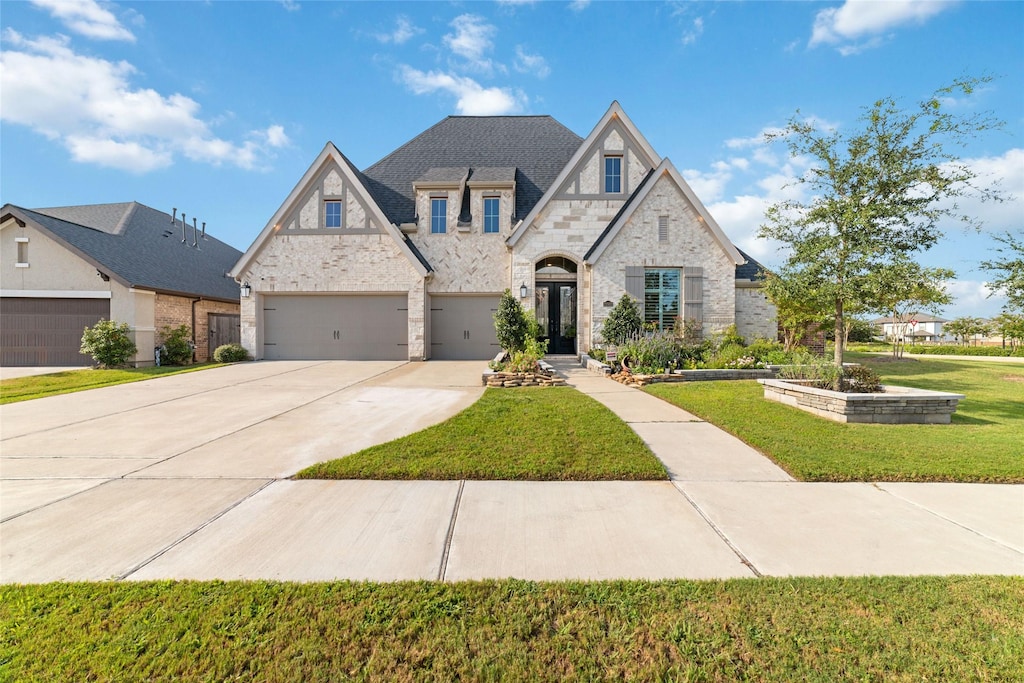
(522, 291)
(246, 290)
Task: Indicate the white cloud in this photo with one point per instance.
(86, 18)
(291, 5)
(403, 32)
(691, 34)
(1004, 173)
(868, 21)
(473, 37)
(528, 63)
(472, 99)
(579, 5)
(90, 106)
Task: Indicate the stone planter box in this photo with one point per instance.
(546, 377)
(896, 405)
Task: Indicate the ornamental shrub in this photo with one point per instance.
(511, 325)
(109, 343)
(230, 353)
(177, 345)
(623, 321)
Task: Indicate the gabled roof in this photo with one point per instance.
(614, 113)
(329, 153)
(668, 170)
(138, 246)
(751, 269)
(537, 147)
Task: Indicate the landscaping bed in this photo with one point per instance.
(894, 405)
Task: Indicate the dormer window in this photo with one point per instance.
(492, 212)
(438, 215)
(332, 213)
(613, 174)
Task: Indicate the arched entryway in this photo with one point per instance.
(555, 303)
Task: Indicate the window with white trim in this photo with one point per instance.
(438, 215)
(332, 213)
(22, 261)
(613, 174)
(661, 297)
(492, 209)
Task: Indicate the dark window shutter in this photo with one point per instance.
(635, 285)
(693, 293)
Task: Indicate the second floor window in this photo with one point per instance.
(438, 216)
(613, 174)
(332, 214)
(491, 209)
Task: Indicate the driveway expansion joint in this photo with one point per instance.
(714, 527)
(446, 551)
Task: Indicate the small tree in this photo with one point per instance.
(1009, 271)
(176, 345)
(511, 325)
(623, 321)
(966, 327)
(109, 343)
(1011, 328)
(797, 309)
(903, 290)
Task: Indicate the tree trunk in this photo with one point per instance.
(839, 337)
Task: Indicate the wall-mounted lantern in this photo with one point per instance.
(522, 291)
(246, 290)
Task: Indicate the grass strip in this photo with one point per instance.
(807, 629)
(69, 381)
(530, 433)
(982, 444)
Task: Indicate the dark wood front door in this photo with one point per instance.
(556, 315)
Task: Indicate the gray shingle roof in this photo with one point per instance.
(751, 270)
(444, 175)
(538, 147)
(139, 246)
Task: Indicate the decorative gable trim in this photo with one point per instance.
(330, 157)
(592, 144)
(665, 168)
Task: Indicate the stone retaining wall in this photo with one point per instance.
(896, 405)
(545, 377)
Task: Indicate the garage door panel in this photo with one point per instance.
(462, 327)
(344, 327)
(47, 332)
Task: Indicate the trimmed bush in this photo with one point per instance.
(177, 346)
(230, 353)
(109, 343)
(966, 350)
(623, 321)
(511, 326)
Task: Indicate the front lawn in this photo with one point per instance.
(69, 381)
(797, 629)
(536, 434)
(983, 443)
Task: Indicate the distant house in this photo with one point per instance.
(913, 328)
(65, 268)
(407, 259)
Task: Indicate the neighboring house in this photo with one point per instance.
(65, 268)
(407, 259)
(918, 327)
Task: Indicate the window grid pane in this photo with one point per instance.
(438, 216)
(332, 214)
(661, 298)
(491, 211)
(613, 174)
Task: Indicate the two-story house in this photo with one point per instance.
(407, 259)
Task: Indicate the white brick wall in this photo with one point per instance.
(755, 315)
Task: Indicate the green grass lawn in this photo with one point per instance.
(535, 433)
(69, 381)
(984, 443)
(807, 629)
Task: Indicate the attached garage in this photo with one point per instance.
(462, 327)
(336, 327)
(47, 332)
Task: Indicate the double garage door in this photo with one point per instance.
(337, 327)
(47, 332)
(375, 327)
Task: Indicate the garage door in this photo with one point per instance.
(47, 332)
(462, 327)
(355, 327)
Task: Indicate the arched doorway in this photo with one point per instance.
(555, 303)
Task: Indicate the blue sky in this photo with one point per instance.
(218, 108)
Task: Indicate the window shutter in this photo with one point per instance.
(635, 285)
(693, 293)
(663, 228)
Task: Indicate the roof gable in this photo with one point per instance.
(290, 215)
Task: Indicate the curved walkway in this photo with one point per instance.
(186, 477)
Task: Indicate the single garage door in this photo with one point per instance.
(337, 327)
(462, 327)
(47, 332)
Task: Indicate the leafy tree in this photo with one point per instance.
(623, 321)
(878, 193)
(1009, 271)
(966, 327)
(109, 343)
(1011, 328)
(903, 290)
(176, 345)
(796, 306)
(510, 323)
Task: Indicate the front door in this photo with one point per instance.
(556, 315)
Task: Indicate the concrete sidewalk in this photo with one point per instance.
(186, 477)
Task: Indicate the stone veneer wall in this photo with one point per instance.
(898, 405)
(756, 317)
